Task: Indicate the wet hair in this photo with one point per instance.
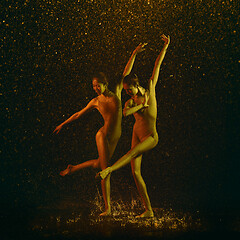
(131, 79)
(101, 77)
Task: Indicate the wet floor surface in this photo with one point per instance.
(69, 220)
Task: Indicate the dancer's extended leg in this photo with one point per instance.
(74, 168)
(139, 149)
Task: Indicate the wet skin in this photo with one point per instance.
(143, 106)
(109, 106)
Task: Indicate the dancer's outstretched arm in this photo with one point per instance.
(75, 116)
(131, 60)
(128, 67)
(158, 62)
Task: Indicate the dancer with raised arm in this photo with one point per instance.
(110, 107)
(143, 106)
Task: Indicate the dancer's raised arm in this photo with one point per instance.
(131, 60)
(129, 66)
(75, 116)
(158, 62)
(143, 104)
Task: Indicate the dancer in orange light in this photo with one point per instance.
(110, 107)
(143, 106)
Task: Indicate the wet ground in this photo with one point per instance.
(68, 219)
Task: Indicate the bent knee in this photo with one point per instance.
(156, 139)
(155, 142)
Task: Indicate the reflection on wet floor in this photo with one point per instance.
(70, 219)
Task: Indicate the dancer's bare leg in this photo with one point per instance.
(104, 157)
(141, 186)
(74, 168)
(105, 183)
(139, 149)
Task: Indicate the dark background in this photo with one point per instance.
(49, 49)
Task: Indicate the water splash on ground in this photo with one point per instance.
(70, 217)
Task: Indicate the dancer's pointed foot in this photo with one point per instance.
(104, 173)
(146, 214)
(106, 213)
(66, 171)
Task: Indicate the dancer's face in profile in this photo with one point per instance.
(130, 89)
(98, 87)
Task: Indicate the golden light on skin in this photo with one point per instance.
(49, 47)
(130, 89)
(98, 87)
(109, 106)
(145, 136)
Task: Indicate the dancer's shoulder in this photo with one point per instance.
(94, 102)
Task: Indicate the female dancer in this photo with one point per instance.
(110, 107)
(143, 106)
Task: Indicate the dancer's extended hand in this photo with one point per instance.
(166, 39)
(58, 128)
(140, 47)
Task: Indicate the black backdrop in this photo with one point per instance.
(49, 49)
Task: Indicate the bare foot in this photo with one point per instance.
(66, 171)
(146, 214)
(104, 173)
(106, 213)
